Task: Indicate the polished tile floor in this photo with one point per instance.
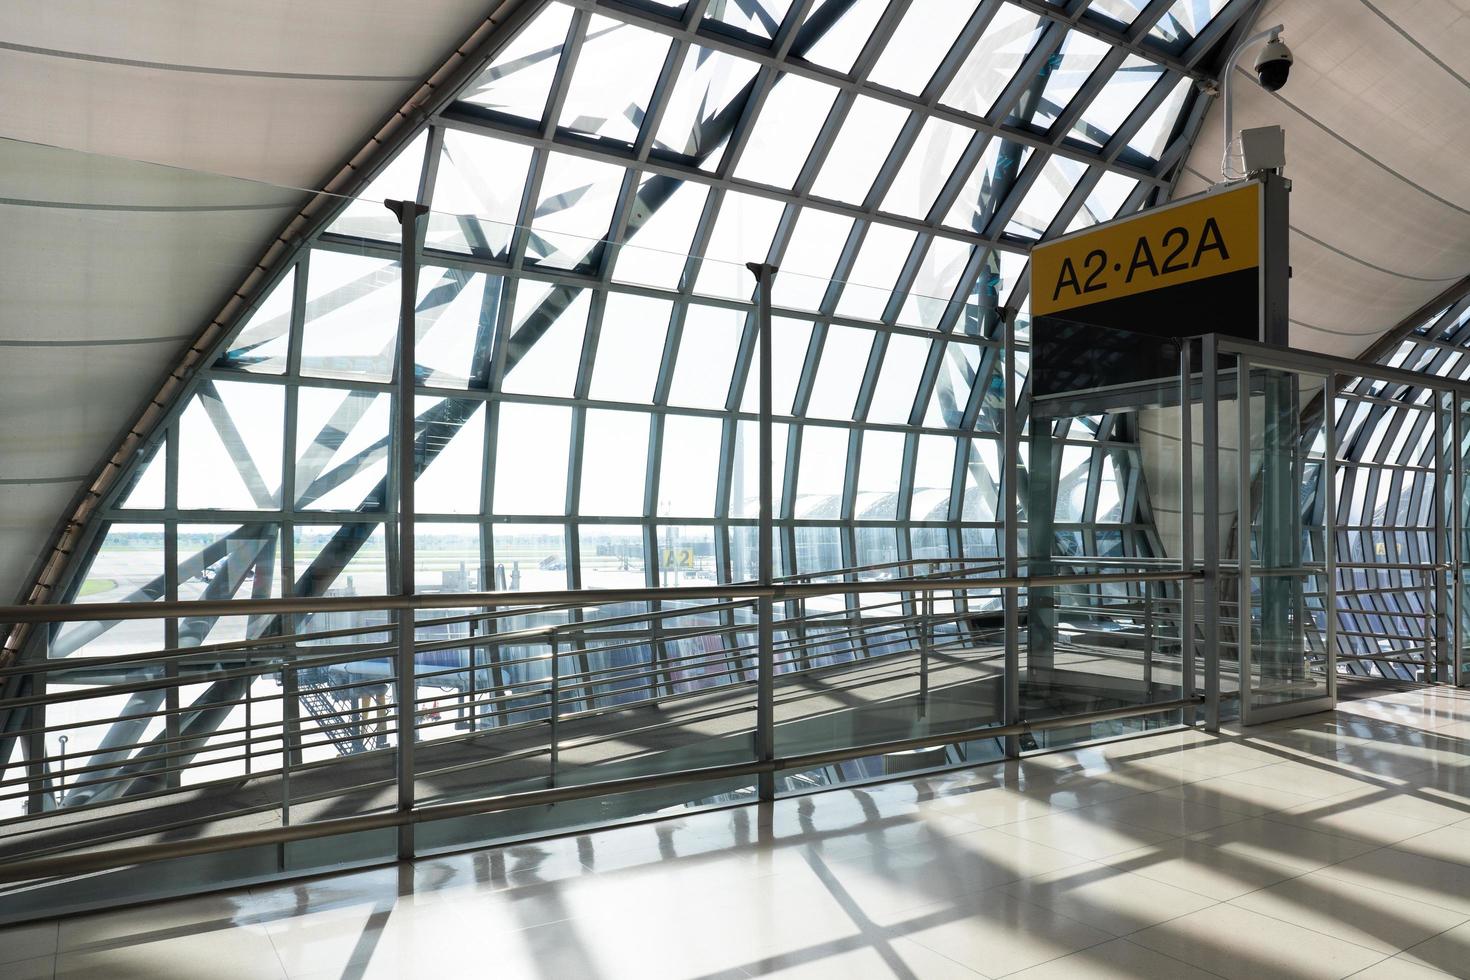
(1331, 846)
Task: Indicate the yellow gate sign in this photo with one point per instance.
(678, 558)
(1206, 236)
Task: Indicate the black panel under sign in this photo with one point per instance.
(1129, 340)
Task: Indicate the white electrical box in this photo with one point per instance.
(1263, 149)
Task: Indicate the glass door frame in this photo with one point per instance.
(1250, 713)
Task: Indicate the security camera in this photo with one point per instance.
(1274, 65)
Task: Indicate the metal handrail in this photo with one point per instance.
(61, 612)
(72, 864)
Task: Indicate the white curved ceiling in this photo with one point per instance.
(108, 266)
(1376, 142)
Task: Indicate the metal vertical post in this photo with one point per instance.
(1186, 525)
(1210, 505)
(555, 707)
(1011, 676)
(1457, 540)
(1434, 646)
(1243, 514)
(1329, 527)
(765, 723)
(926, 613)
(409, 214)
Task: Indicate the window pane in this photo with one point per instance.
(988, 185)
(477, 195)
(230, 446)
(994, 60)
(660, 231)
(614, 454)
(920, 42)
(879, 476)
(351, 326)
(861, 146)
(520, 78)
(260, 346)
(529, 557)
(760, 17)
(545, 348)
(933, 477)
(446, 558)
(785, 130)
(617, 67)
(840, 373)
(574, 212)
(743, 232)
(874, 275)
(457, 312)
(926, 169)
(612, 556)
(789, 342)
(982, 482)
(823, 472)
(630, 347)
(745, 473)
(452, 431)
(811, 256)
(707, 350)
(341, 449)
(690, 466)
(898, 381)
(704, 104)
(838, 44)
(531, 451)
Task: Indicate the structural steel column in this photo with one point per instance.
(765, 718)
(409, 214)
(1010, 467)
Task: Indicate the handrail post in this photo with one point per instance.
(1148, 642)
(409, 214)
(926, 613)
(765, 721)
(555, 706)
(1011, 598)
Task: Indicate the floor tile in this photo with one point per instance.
(1274, 844)
(222, 954)
(1085, 833)
(28, 941)
(1360, 915)
(1200, 868)
(1449, 951)
(1107, 898)
(34, 968)
(1116, 960)
(1242, 945)
(998, 935)
(851, 959)
(1311, 779)
(1162, 812)
(1398, 968)
(1366, 818)
(1225, 793)
(1422, 879)
(1450, 843)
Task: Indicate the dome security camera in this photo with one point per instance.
(1274, 65)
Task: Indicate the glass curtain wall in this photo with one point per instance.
(585, 335)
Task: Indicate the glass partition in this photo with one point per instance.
(1285, 590)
